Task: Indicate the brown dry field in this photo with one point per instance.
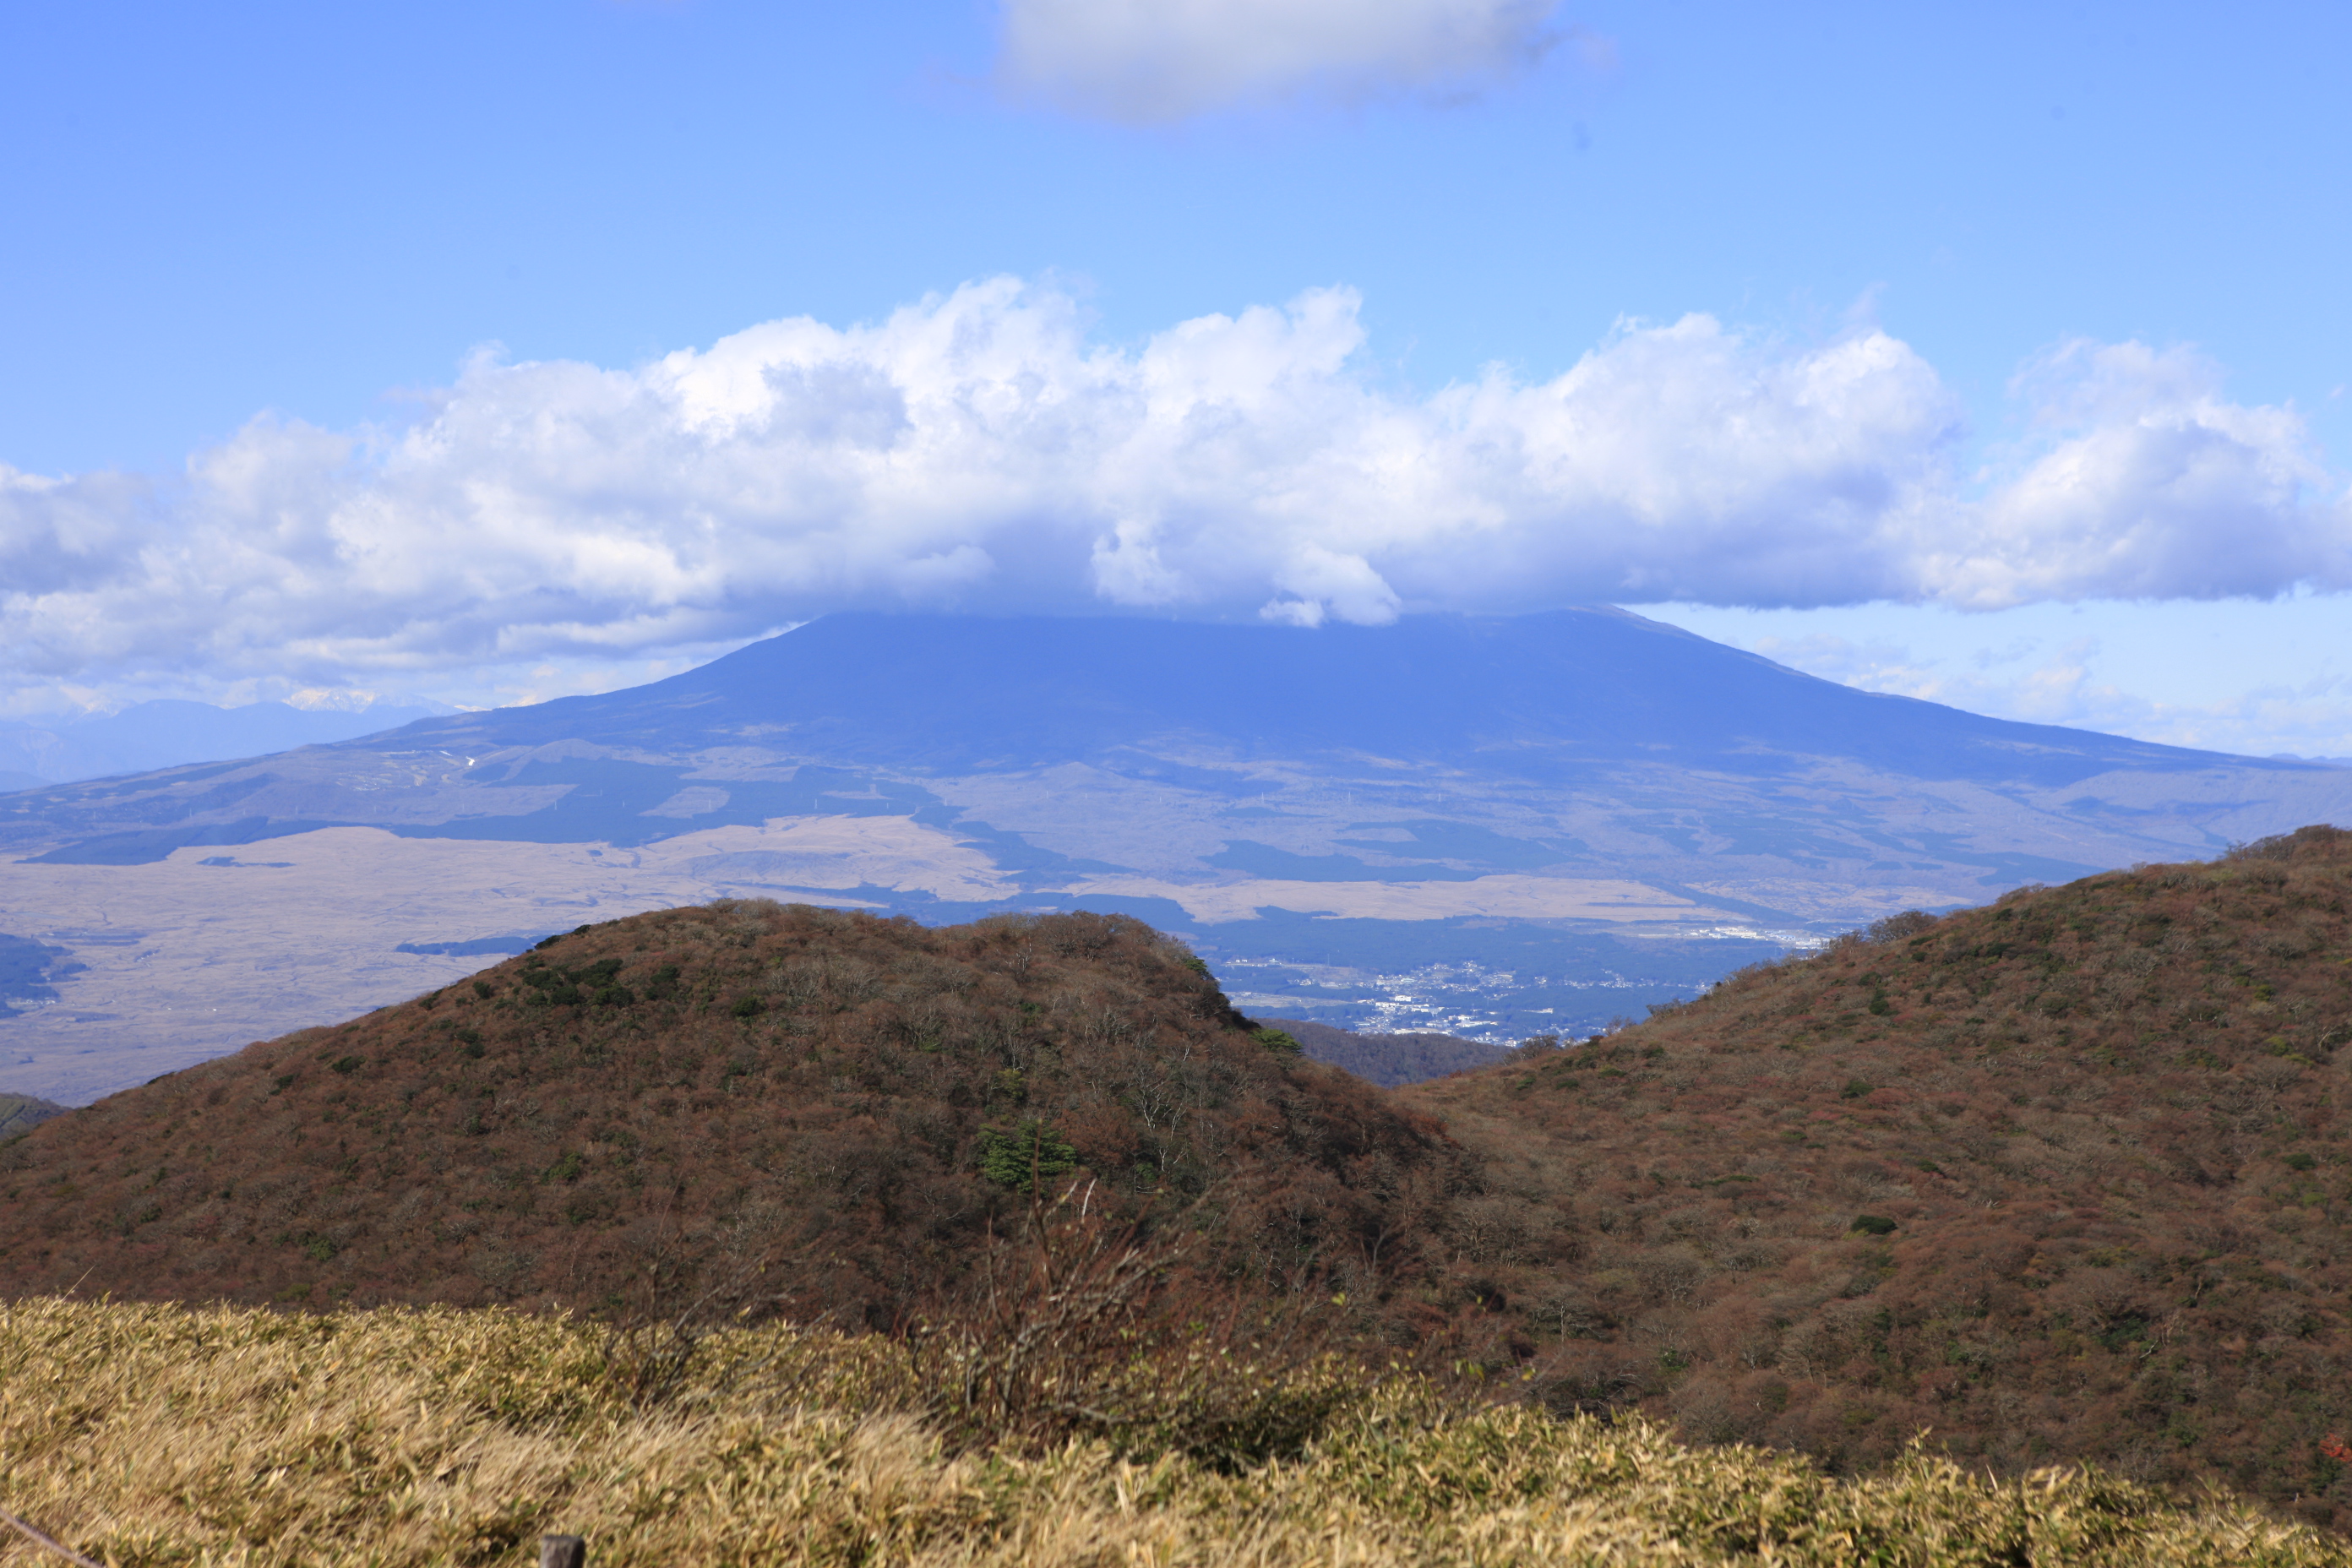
(185, 961)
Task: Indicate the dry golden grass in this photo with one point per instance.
(156, 1435)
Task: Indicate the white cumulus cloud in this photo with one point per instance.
(2147, 484)
(1147, 60)
(977, 450)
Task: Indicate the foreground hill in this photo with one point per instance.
(2068, 1177)
(2063, 1178)
(1527, 823)
(399, 1440)
(742, 1104)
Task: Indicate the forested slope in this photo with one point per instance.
(787, 1109)
(2067, 1177)
(2062, 1178)
(1391, 1061)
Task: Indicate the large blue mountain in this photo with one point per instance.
(1539, 696)
(879, 714)
(870, 715)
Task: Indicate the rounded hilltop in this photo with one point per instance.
(779, 1109)
(2065, 1177)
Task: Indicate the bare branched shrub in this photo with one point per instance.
(1899, 927)
(1082, 1326)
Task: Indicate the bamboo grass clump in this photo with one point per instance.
(157, 1434)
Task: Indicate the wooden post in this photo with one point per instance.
(39, 1538)
(562, 1552)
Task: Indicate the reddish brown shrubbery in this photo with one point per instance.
(2062, 1178)
(2066, 1177)
(740, 1106)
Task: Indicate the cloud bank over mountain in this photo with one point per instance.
(978, 450)
(1157, 60)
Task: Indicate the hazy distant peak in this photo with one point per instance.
(169, 731)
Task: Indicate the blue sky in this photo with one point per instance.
(1992, 352)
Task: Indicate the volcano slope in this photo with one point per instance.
(2065, 1177)
(742, 1105)
(1570, 799)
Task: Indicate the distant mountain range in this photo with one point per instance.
(1391, 1061)
(168, 733)
(22, 1113)
(1489, 828)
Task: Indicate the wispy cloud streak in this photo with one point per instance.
(1156, 61)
